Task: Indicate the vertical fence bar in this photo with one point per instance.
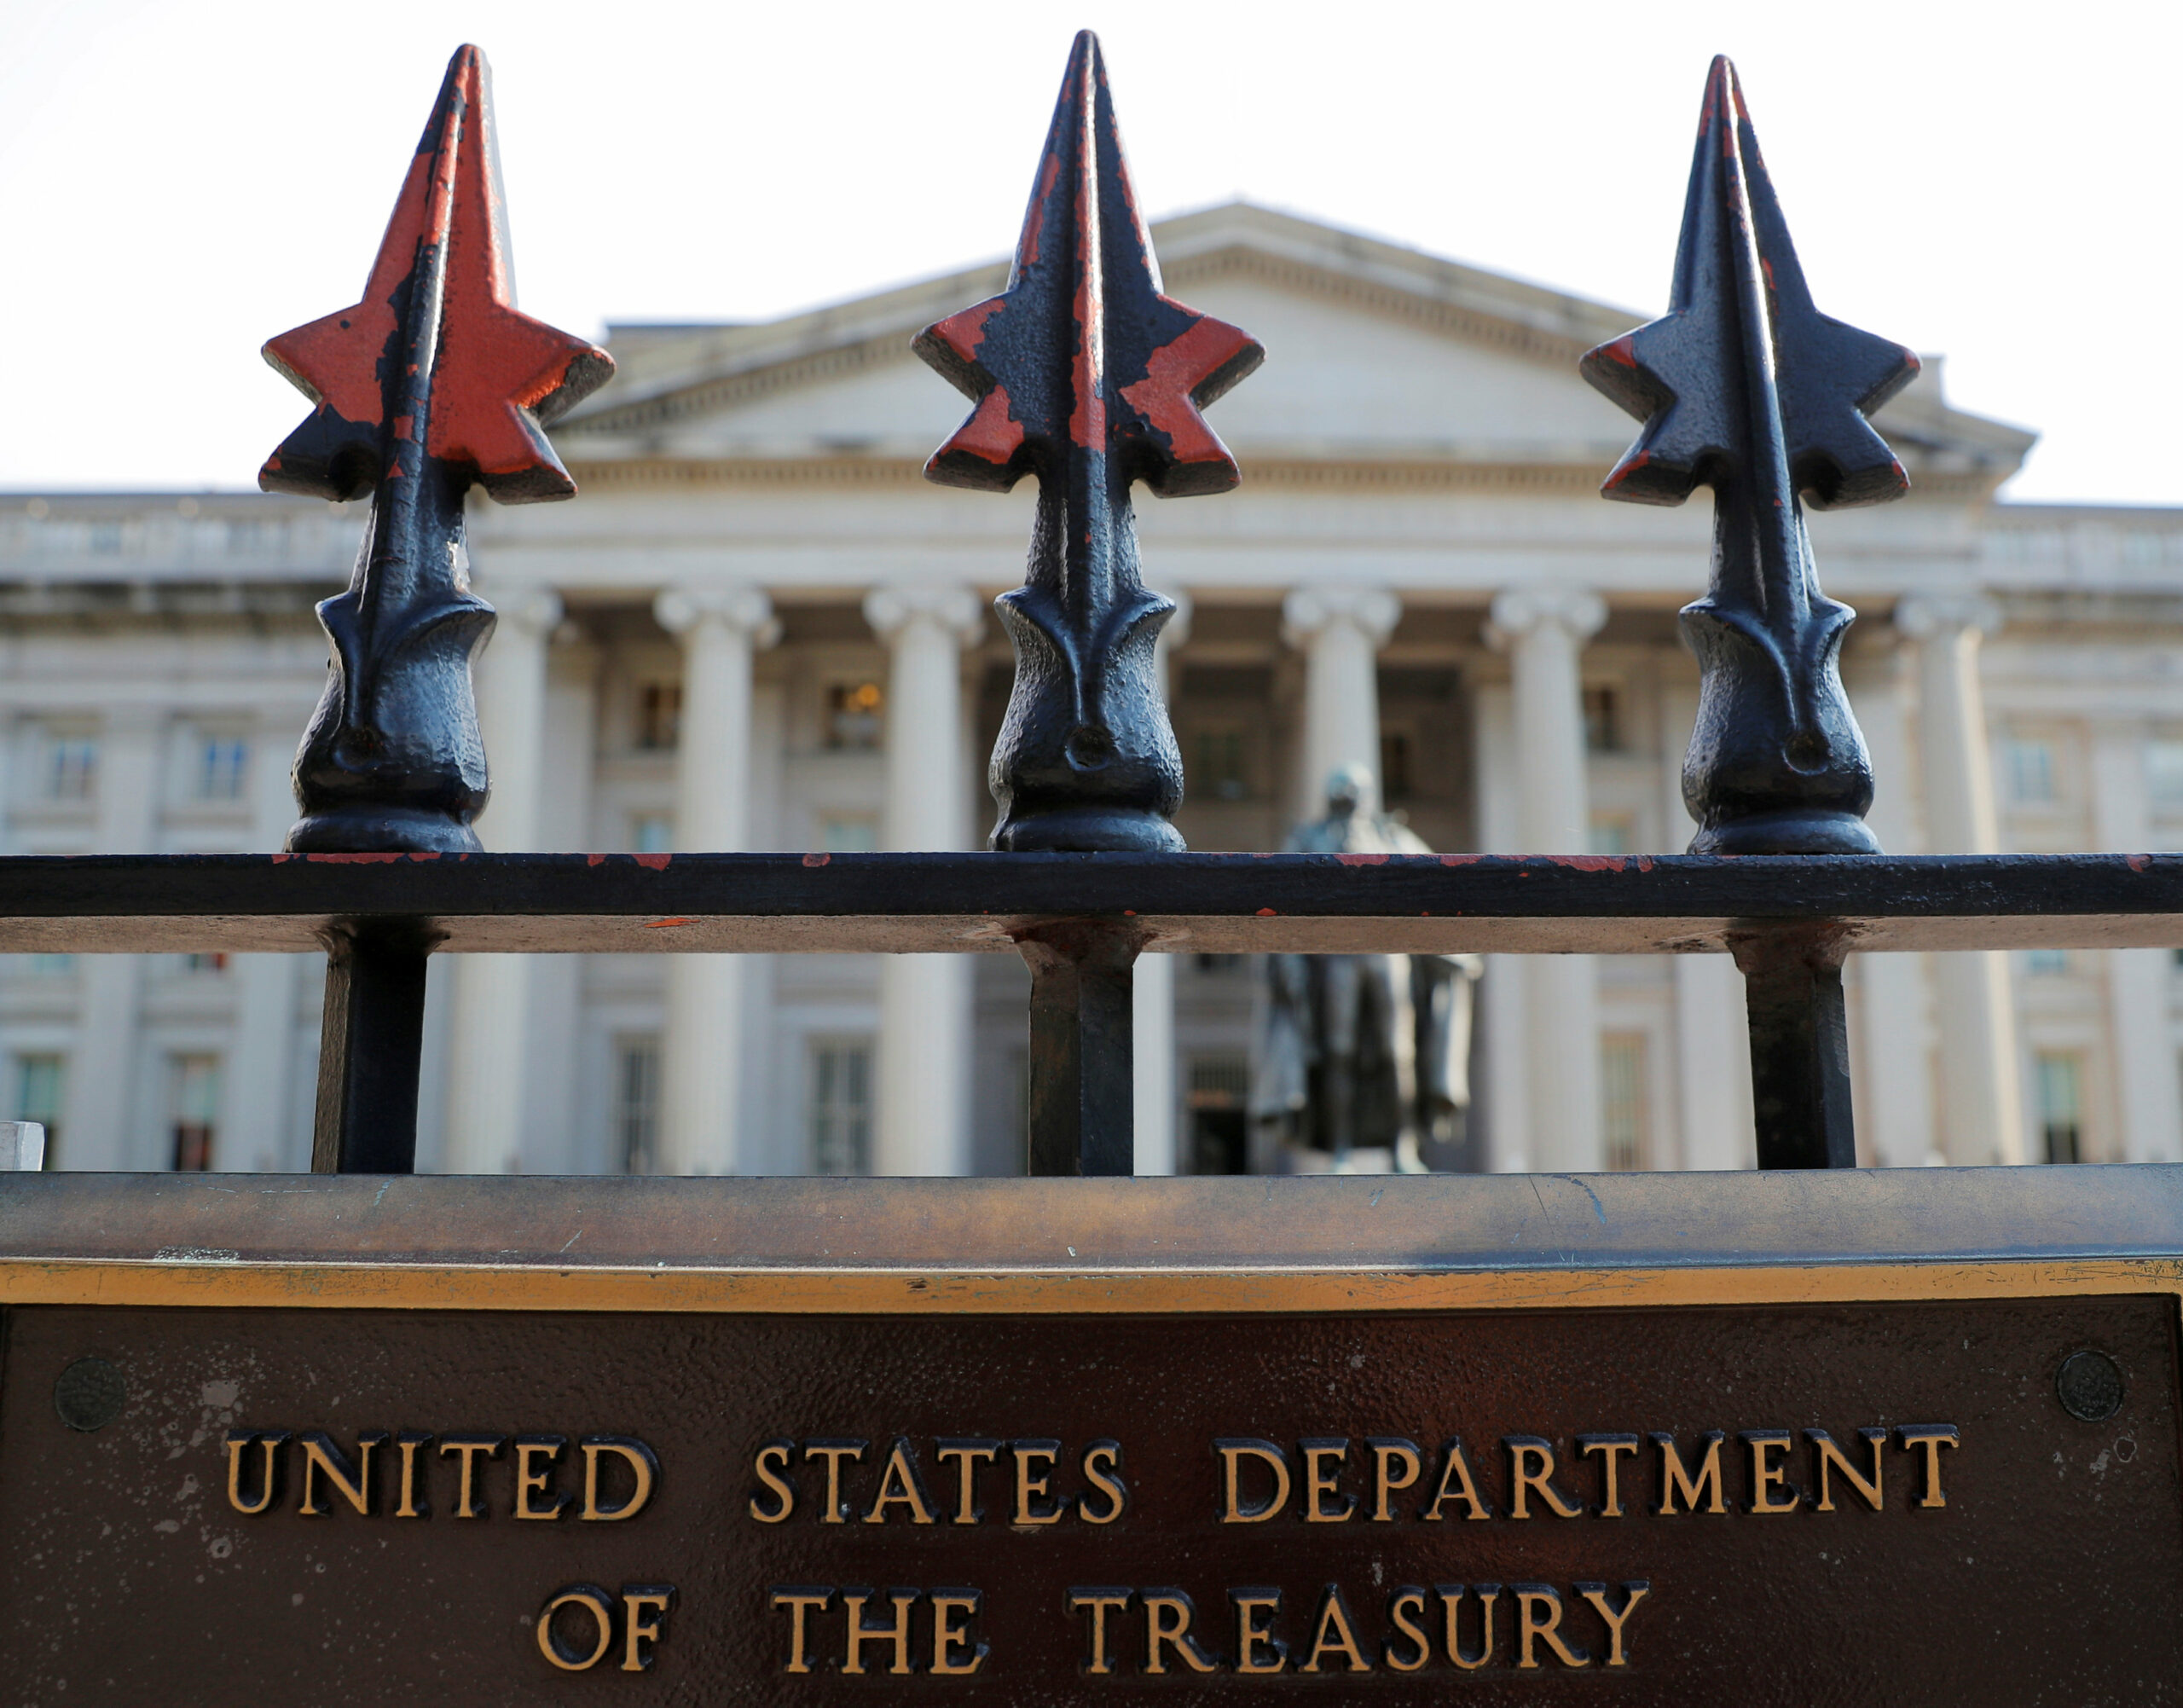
(1082, 1093)
(1800, 1048)
(371, 1044)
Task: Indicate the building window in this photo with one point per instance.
(659, 715)
(2061, 1103)
(222, 767)
(1216, 1091)
(70, 772)
(841, 1106)
(1603, 718)
(1613, 833)
(1622, 1101)
(853, 711)
(2030, 766)
(40, 1081)
(1398, 767)
(1220, 768)
(652, 833)
(2046, 964)
(205, 964)
(636, 1104)
(2164, 774)
(194, 1102)
(849, 835)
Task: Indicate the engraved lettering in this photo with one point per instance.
(593, 1601)
(468, 1448)
(1538, 1619)
(1320, 1482)
(1030, 1489)
(835, 1511)
(771, 1460)
(1632, 1594)
(951, 1610)
(896, 1636)
(268, 1470)
(900, 1485)
(1396, 1464)
(1451, 1601)
(530, 1479)
(1233, 1452)
(799, 1600)
(1335, 1634)
(1168, 1616)
(1109, 1482)
(1099, 1601)
(407, 1444)
(1610, 1450)
(967, 1455)
(1404, 1608)
(1675, 1478)
(639, 1632)
(1766, 1476)
(1828, 1457)
(1456, 1484)
(322, 1459)
(644, 1472)
(1932, 1437)
(1531, 1464)
(1258, 1652)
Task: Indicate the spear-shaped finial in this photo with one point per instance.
(433, 380)
(1088, 377)
(1745, 386)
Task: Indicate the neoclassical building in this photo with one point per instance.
(758, 628)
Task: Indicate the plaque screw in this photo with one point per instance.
(89, 1394)
(2089, 1386)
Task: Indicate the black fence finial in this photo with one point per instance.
(432, 381)
(1746, 387)
(1088, 377)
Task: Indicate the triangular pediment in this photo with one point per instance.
(1375, 354)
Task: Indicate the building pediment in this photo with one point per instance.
(1376, 355)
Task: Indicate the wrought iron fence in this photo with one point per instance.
(1085, 376)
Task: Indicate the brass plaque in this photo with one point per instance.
(1918, 1500)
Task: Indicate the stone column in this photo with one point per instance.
(1544, 631)
(101, 1125)
(1982, 1111)
(492, 993)
(924, 1001)
(1712, 1038)
(1504, 1008)
(262, 1129)
(1340, 630)
(1152, 991)
(2148, 1097)
(1892, 1090)
(721, 629)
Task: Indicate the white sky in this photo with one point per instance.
(1998, 181)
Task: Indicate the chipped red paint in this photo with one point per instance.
(1362, 859)
(1459, 859)
(595, 860)
(354, 859)
(1588, 862)
(425, 854)
(816, 859)
(1268, 913)
(2139, 862)
(653, 862)
(662, 925)
(496, 373)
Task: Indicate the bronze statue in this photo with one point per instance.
(1362, 1051)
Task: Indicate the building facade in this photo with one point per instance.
(758, 628)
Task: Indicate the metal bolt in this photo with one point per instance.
(89, 1394)
(2090, 1386)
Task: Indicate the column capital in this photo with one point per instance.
(1929, 615)
(1309, 609)
(1578, 612)
(681, 609)
(532, 612)
(954, 608)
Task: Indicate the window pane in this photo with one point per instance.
(852, 714)
(841, 1106)
(636, 1104)
(2061, 1079)
(1622, 1101)
(196, 1104)
(41, 1082)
